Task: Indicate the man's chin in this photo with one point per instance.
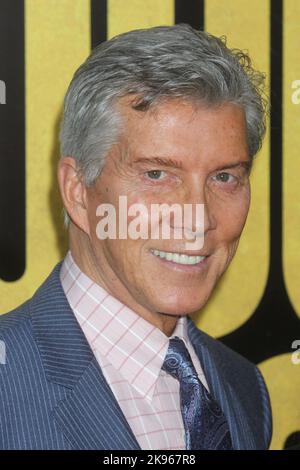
(171, 315)
(179, 310)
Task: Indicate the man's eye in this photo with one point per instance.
(155, 174)
(225, 177)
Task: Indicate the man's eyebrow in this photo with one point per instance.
(165, 161)
(247, 164)
(170, 162)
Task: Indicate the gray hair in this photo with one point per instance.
(151, 65)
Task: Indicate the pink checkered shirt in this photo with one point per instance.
(131, 352)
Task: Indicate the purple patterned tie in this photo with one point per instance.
(205, 425)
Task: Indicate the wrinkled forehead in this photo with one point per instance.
(177, 128)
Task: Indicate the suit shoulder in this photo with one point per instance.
(228, 355)
(242, 372)
(240, 367)
(15, 319)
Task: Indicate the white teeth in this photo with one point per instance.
(177, 257)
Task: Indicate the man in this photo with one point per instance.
(105, 356)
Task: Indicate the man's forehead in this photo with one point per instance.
(131, 104)
(168, 107)
(145, 138)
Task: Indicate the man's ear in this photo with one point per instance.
(73, 192)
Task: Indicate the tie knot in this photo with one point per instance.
(178, 361)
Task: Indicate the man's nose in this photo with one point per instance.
(196, 196)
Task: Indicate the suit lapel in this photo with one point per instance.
(228, 393)
(89, 416)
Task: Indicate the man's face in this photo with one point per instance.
(173, 153)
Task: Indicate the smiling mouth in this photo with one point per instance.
(178, 258)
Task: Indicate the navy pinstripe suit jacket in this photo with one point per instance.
(54, 395)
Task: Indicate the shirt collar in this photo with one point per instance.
(133, 346)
